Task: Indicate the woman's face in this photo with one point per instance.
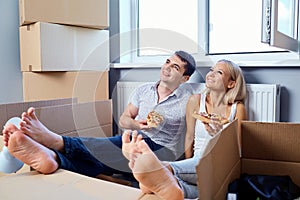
(219, 78)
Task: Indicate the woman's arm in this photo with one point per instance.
(192, 105)
(241, 114)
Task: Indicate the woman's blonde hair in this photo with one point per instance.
(238, 93)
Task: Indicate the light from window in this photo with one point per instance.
(235, 26)
(165, 25)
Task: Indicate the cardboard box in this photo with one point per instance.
(266, 149)
(63, 185)
(10, 110)
(85, 13)
(54, 47)
(90, 119)
(84, 85)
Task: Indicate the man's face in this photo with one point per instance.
(172, 71)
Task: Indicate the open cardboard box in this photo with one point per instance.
(266, 149)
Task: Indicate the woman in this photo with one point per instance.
(224, 95)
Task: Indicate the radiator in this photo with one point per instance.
(262, 104)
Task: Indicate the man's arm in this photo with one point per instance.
(127, 119)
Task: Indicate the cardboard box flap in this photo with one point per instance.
(222, 157)
(271, 141)
(67, 118)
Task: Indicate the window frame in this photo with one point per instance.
(129, 44)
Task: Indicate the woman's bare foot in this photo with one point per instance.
(32, 153)
(32, 127)
(153, 175)
(129, 145)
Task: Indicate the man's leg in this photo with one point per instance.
(30, 152)
(88, 156)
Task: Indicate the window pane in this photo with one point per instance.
(286, 17)
(167, 24)
(235, 26)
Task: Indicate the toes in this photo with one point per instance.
(10, 128)
(126, 137)
(139, 138)
(143, 147)
(31, 113)
(133, 136)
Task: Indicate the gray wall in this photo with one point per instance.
(10, 76)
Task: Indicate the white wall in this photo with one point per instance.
(10, 76)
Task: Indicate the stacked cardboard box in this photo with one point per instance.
(66, 37)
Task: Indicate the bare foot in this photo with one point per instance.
(7, 130)
(37, 131)
(153, 175)
(32, 153)
(127, 144)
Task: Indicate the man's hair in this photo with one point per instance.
(189, 60)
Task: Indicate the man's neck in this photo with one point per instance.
(164, 90)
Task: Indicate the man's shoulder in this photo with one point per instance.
(186, 88)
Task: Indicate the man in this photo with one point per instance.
(46, 151)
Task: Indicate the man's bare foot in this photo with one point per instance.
(129, 145)
(32, 153)
(153, 175)
(32, 127)
(7, 130)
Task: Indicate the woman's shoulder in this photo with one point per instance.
(195, 97)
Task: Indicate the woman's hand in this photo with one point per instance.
(213, 127)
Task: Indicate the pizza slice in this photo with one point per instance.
(154, 119)
(206, 118)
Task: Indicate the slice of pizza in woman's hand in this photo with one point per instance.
(154, 119)
(207, 118)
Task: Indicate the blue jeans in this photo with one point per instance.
(185, 172)
(94, 156)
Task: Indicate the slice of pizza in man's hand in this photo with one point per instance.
(154, 119)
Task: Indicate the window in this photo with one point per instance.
(281, 22)
(211, 29)
(234, 27)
